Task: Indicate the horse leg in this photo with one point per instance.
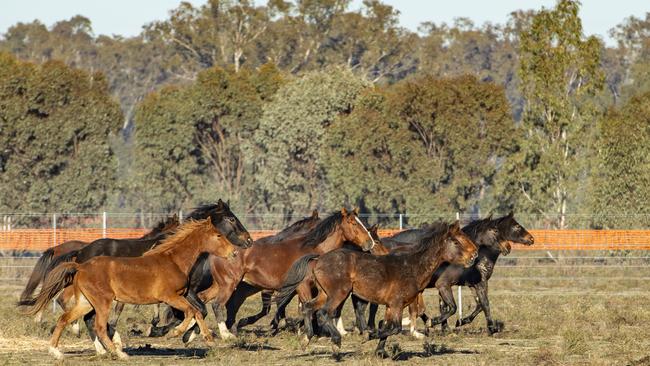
(372, 314)
(392, 325)
(175, 317)
(448, 298)
(337, 319)
(414, 309)
(280, 314)
(308, 309)
(241, 293)
(117, 311)
(266, 309)
(191, 314)
(327, 313)
(102, 307)
(156, 315)
(80, 309)
(197, 303)
(468, 319)
(359, 306)
(482, 295)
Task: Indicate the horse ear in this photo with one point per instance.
(219, 203)
(356, 211)
(314, 214)
(455, 227)
(511, 214)
(344, 212)
(374, 228)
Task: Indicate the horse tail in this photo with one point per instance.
(296, 274)
(58, 279)
(67, 257)
(38, 274)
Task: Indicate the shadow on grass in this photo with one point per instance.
(430, 350)
(147, 350)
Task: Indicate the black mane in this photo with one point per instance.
(474, 228)
(324, 228)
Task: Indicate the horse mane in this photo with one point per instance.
(188, 228)
(159, 227)
(434, 232)
(477, 226)
(297, 224)
(324, 228)
(202, 212)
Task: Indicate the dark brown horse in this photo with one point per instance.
(378, 279)
(158, 276)
(201, 277)
(264, 266)
(59, 251)
(493, 237)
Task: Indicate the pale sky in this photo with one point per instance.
(109, 17)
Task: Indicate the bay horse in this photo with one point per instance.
(43, 264)
(160, 275)
(264, 266)
(382, 279)
(201, 277)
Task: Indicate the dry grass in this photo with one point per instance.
(553, 316)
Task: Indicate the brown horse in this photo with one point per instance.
(40, 269)
(201, 276)
(379, 279)
(264, 266)
(158, 276)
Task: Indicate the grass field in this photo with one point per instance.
(566, 312)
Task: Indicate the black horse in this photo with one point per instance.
(493, 237)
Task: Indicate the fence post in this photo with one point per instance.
(460, 289)
(54, 244)
(180, 216)
(400, 221)
(54, 229)
(104, 224)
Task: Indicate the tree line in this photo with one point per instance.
(289, 106)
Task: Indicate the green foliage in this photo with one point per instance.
(622, 184)
(190, 141)
(291, 133)
(55, 124)
(426, 145)
(560, 72)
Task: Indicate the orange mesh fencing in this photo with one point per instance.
(42, 239)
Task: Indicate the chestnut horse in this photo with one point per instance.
(264, 266)
(201, 276)
(379, 279)
(43, 264)
(158, 276)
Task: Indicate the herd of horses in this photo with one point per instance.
(211, 258)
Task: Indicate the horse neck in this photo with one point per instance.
(333, 241)
(184, 256)
(428, 261)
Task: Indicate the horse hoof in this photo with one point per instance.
(210, 342)
(99, 348)
(55, 352)
(381, 353)
(417, 335)
(121, 355)
(304, 341)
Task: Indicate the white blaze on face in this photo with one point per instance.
(367, 232)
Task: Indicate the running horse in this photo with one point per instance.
(264, 266)
(41, 268)
(381, 279)
(138, 280)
